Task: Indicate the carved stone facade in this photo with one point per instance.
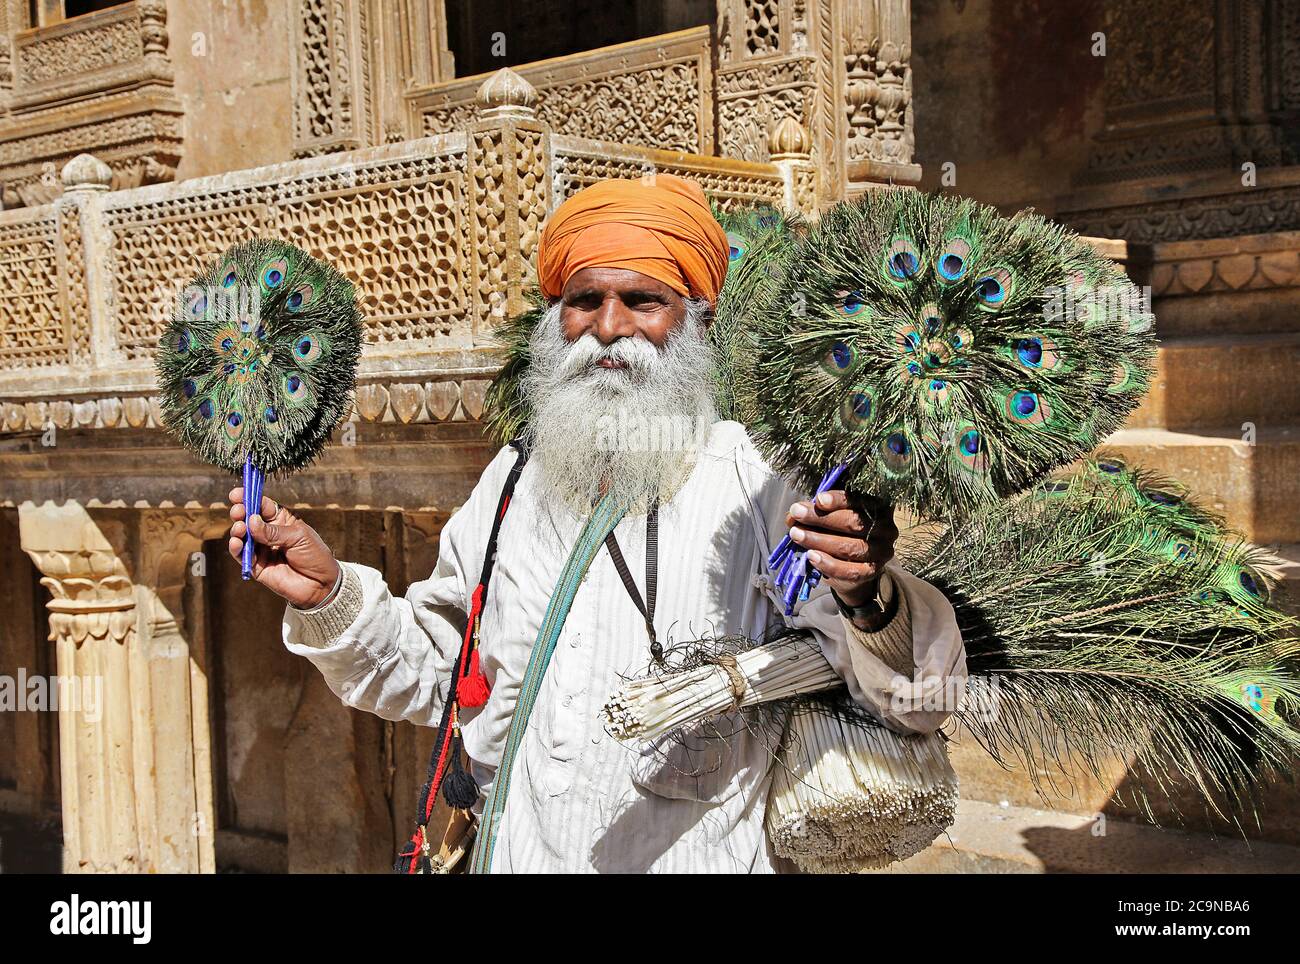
(841, 70)
(656, 92)
(1209, 101)
(100, 83)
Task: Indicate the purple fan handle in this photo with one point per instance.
(253, 478)
(794, 576)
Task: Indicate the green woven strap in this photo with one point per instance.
(602, 522)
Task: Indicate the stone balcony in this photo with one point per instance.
(438, 233)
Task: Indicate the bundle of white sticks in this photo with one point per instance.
(847, 794)
(647, 707)
(847, 797)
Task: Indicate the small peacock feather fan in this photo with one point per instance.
(926, 350)
(257, 365)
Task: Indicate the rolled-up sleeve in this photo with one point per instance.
(392, 656)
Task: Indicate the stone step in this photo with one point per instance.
(990, 838)
(1247, 283)
(1250, 483)
(1070, 788)
(1223, 380)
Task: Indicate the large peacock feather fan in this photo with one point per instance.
(257, 365)
(1108, 617)
(925, 350)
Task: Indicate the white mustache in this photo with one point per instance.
(585, 354)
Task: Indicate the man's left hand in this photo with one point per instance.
(849, 540)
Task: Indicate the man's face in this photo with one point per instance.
(614, 303)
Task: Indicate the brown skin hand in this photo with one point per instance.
(611, 303)
(850, 541)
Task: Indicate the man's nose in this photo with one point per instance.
(614, 320)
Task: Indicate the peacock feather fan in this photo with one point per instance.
(949, 355)
(1108, 617)
(258, 363)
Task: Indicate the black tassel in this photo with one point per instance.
(459, 788)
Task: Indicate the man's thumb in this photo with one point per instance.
(266, 534)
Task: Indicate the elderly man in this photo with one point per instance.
(631, 269)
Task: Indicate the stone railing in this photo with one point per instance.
(438, 233)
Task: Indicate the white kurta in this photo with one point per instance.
(579, 800)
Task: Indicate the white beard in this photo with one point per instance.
(633, 431)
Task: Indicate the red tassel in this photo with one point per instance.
(473, 689)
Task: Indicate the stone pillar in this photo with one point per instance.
(509, 201)
(92, 624)
(840, 68)
(134, 758)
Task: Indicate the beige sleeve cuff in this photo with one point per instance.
(911, 684)
(319, 627)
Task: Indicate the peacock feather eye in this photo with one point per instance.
(1035, 351)
(953, 260)
(994, 288)
(274, 273)
(896, 453)
(736, 246)
(902, 260)
(1253, 696)
(301, 297)
(184, 342)
(229, 277)
(1252, 585)
(931, 319)
(1124, 378)
(1160, 496)
(196, 303)
(1111, 466)
(206, 409)
(851, 303)
(937, 391)
(856, 410)
(189, 388)
(295, 388)
(1027, 407)
(309, 348)
(909, 338)
(972, 453)
(234, 427)
(839, 358)
(226, 339)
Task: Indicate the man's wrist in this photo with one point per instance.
(876, 611)
(328, 598)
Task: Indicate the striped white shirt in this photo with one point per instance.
(579, 800)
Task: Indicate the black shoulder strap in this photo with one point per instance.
(646, 608)
(503, 503)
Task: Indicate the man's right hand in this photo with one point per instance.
(290, 559)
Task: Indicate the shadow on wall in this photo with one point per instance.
(29, 845)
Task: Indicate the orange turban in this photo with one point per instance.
(660, 226)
